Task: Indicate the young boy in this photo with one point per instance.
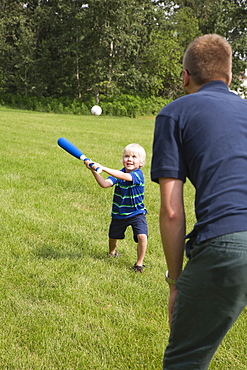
(127, 208)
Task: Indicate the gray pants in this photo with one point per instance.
(212, 292)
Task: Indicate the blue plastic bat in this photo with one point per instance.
(73, 150)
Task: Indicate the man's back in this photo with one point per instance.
(211, 127)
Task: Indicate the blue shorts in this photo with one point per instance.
(119, 226)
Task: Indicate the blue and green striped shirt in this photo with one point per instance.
(128, 196)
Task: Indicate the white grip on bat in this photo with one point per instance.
(84, 158)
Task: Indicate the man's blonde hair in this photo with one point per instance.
(208, 58)
(137, 150)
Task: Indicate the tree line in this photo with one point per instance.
(105, 48)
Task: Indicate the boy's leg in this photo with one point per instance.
(116, 232)
(112, 246)
(141, 248)
(140, 230)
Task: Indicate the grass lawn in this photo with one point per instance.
(64, 304)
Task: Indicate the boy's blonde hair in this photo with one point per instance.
(208, 58)
(137, 150)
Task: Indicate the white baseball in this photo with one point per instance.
(96, 110)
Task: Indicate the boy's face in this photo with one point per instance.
(131, 162)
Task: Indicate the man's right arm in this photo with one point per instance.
(172, 229)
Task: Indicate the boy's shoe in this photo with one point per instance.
(138, 268)
(115, 254)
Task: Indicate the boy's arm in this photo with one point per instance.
(115, 173)
(102, 182)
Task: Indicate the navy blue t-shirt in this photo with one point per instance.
(203, 136)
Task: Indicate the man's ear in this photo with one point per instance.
(230, 79)
(186, 79)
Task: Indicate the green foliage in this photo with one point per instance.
(109, 47)
(64, 304)
(186, 30)
(127, 105)
(227, 18)
(123, 105)
(163, 60)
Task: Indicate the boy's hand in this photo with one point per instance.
(95, 166)
(87, 163)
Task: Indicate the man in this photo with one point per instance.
(202, 136)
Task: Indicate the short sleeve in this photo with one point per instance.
(137, 177)
(167, 159)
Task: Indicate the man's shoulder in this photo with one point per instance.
(174, 108)
(211, 91)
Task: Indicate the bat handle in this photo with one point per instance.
(84, 158)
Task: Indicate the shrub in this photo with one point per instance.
(121, 105)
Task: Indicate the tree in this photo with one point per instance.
(17, 48)
(116, 33)
(73, 48)
(162, 64)
(59, 31)
(227, 18)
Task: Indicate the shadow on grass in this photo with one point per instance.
(49, 252)
(52, 253)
